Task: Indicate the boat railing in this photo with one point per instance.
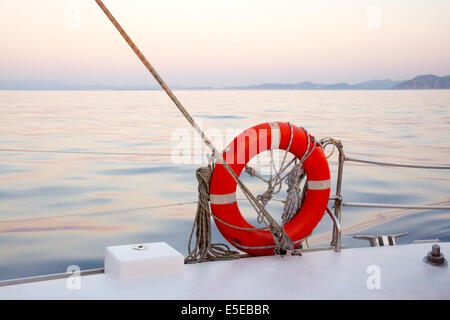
(338, 198)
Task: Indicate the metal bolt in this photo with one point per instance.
(436, 250)
(435, 257)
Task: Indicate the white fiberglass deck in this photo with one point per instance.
(315, 275)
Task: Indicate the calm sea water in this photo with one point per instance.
(61, 209)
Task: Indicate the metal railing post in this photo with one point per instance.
(336, 237)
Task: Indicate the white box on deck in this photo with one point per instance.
(143, 260)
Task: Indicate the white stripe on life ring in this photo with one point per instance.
(276, 135)
(319, 184)
(222, 198)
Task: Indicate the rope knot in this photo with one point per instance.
(266, 196)
(251, 171)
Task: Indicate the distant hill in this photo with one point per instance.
(307, 85)
(376, 84)
(427, 81)
(278, 86)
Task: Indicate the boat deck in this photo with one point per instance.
(400, 269)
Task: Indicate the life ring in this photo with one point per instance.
(224, 207)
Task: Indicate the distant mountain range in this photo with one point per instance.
(428, 81)
(368, 85)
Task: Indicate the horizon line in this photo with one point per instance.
(52, 85)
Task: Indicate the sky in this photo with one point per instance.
(224, 43)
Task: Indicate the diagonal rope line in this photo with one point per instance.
(85, 152)
(98, 212)
(169, 205)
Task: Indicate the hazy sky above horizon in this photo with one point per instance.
(219, 43)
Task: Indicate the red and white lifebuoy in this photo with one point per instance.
(262, 137)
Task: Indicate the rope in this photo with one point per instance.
(252, 173)
(293, 199)
(204, 250)
(277, 181)
(85, 152)
(106, 212)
